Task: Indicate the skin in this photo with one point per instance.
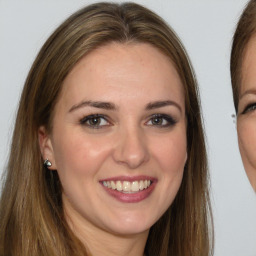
(126, 142)
(247, 112)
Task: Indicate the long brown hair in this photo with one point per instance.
(31, 214)
(246, 28)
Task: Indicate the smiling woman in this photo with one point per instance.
(243, 75)
(108, 153)
(103, 151)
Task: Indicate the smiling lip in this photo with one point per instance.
(129, 189)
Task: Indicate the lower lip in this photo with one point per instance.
(134, 197)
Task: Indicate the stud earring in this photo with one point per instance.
(234, 118)
(47, 163)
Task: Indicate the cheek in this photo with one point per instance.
(171, 156)
(171, 153)
(79, 153)
(247, 139)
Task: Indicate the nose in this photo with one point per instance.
(131, 148)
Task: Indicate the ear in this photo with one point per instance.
(46, 147)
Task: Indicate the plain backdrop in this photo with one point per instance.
(205, 27)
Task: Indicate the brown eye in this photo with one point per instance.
(161, 120)
(250, 107)
(94, 121)
(157, 121)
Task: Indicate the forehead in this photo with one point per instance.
(248, 79)
(127, 68)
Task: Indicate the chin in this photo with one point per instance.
(130, 230)
(131, 225)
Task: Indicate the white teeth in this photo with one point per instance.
(113, 185)
(127, 186)
(119, 186)
(141, 185)
(135, 186)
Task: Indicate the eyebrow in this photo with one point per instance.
(160, 104)
(95, 104)
(112, 106)
(250, 91)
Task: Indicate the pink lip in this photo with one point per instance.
(130, 197)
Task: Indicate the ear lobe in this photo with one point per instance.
(46, 148)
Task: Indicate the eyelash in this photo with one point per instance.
(249, 107)
(170, 121)
(85, 121)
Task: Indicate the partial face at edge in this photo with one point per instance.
(246, 121)
(119, 138)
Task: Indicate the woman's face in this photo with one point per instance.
(119, 139)
(246, 121)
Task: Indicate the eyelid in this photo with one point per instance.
(249, 107)
(85, 119)
(170, 120)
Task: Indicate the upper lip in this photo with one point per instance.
(130, 178)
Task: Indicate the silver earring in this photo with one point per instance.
(47, 163)
(234, 118)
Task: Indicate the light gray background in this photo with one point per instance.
(205, 28)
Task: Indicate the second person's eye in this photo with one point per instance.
(249, 107)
